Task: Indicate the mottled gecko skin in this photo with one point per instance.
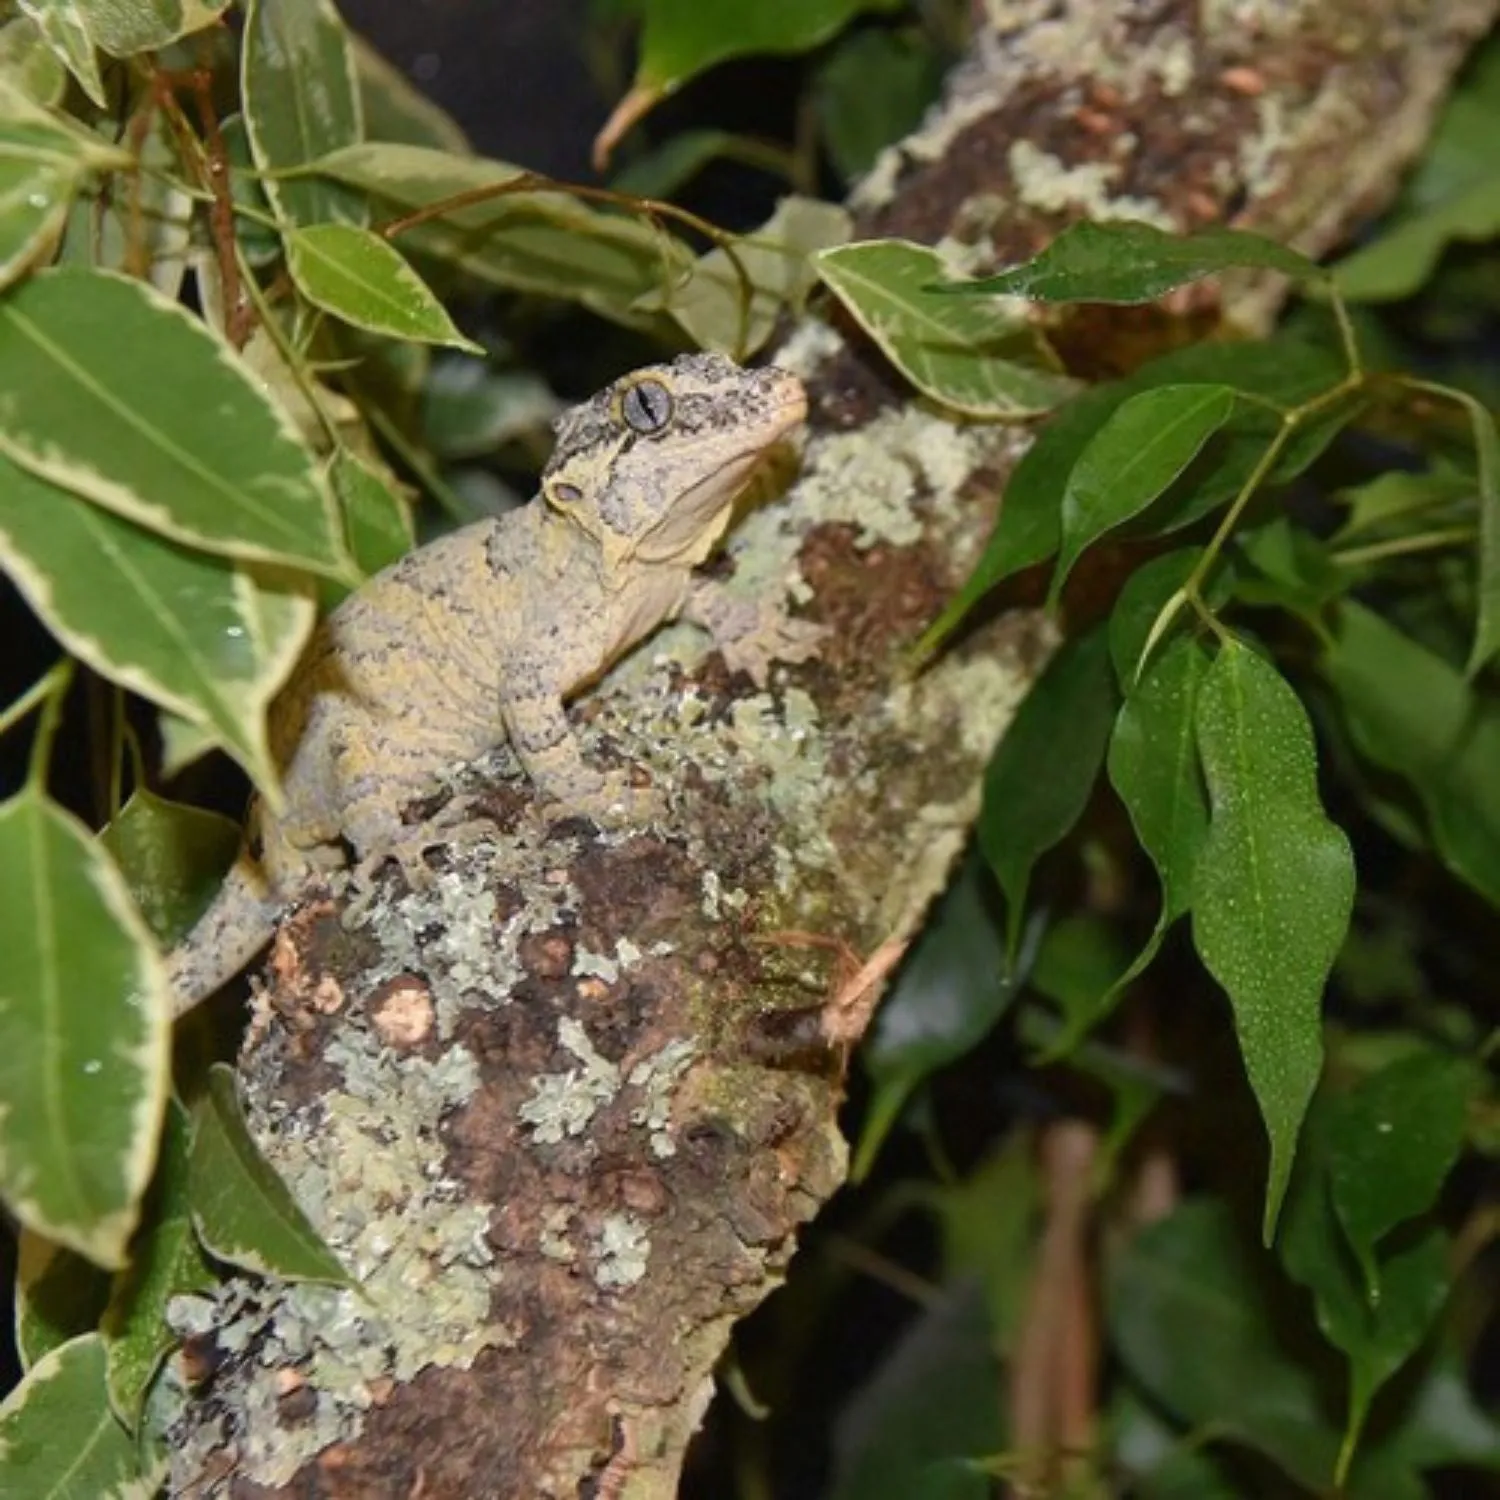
(482, 636)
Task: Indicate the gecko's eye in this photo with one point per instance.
(564, 493)
(646, 406)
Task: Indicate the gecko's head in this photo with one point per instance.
(651, 466)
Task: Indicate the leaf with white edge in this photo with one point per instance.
(720, 311)
(514, 236)
(301, 101)
(1041, 775)
(980, 360)
(84, 1034)
(197, 452)
(165, 1260)
(59, 1295)
(172, 856)
(65, 30)
(1392, 1142)
(377, 520)
(242, 1211)
(208, 638)
(377, 517)
(145, 25)
(43, 161)
(147, 230)
(29, 63)
(182, 742)
(1142, 449)
(1129, 261)
(360, 278)
(59, 1440)
(1272, 890)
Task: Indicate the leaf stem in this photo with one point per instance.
(1354, 557)
(47, 691)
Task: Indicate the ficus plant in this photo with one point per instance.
(1260, 774)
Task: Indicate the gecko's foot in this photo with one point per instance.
(611, 800)
(777, 637)
(753, 633)
(451, 826)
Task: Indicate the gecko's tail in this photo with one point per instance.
(238, 923)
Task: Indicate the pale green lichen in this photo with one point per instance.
(657, 1077)
(621, 1252)
(1050, 185)
(562, 1104)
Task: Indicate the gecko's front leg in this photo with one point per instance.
(751, 633)
(548, 751)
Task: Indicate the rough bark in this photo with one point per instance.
(563, 1110)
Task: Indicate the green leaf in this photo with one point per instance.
(528, 240)
(874, 89)
(58, 1438)
(1039, 779)
(1378, 1335)
(29, 63)
(1145, 594)
(165, 1260)
(1399, 262)
(682, 38)
(933, 1403)
(1411, 712)
(359, 277)
(44, 159)
(241, 1209)
(172, 858)
(59, 1294)
(1199, 1318)
(664, 170)
(982, 361)
(719, 311)
(1288, 567)
(64, 28)
(1487, 453)
(1398, 495)
(1153, 765)
(84, 1034)
(1144, 446)
(210, 639)
(950, 990)
(301, 101)
(376, 518)
(196, 452)
(1135, 262)
(1392, 1142)
(145, 25)
(1284, 372)
(1273, 888)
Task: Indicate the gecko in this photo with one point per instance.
(481, 637)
